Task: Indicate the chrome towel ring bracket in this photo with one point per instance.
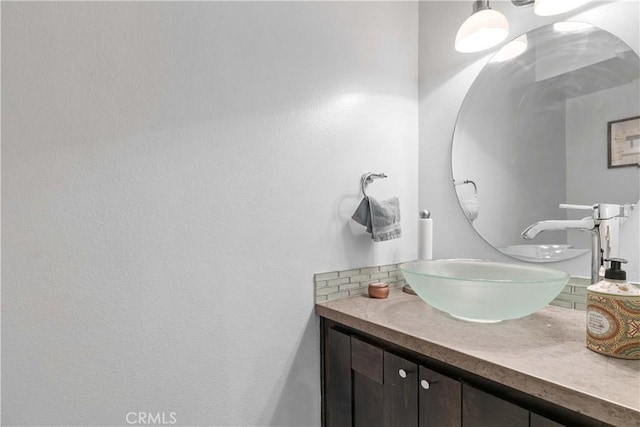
(467, 181)
(367, 179)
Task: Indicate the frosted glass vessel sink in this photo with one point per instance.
(484, 291)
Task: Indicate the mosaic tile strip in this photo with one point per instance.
(574, 295)
(344, 284)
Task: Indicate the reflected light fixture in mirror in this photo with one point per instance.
(570, 26)
(511, 50)
(484, 29)
(555, 7)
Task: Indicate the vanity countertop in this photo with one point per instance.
(543, 354)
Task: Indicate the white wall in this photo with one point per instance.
(174, 173)
(443, 85)
(172, 176)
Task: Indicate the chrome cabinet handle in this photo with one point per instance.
(403, 373)
(426, 384)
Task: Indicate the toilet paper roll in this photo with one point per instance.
(425, 238)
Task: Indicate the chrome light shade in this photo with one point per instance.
(484, 29)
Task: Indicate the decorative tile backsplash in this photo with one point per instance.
(348, 283)
(574, 295)
(344, 284)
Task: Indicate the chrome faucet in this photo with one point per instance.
(585, 224)
(600, 212)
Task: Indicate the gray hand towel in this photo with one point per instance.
(471, 208)
(385, 219)
(362, 215)
(382, 218)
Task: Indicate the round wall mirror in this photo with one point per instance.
(551, 119)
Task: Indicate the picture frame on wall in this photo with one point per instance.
(623, 142)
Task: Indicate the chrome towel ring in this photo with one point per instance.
(467, 181)
(367, 179)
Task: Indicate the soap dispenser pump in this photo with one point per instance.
(613, 314)
(615, 272)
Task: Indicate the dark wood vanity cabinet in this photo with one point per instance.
(400, 391)
(483, 409)
(367, 384)
(439, 399)
(389, 390)
(336, 379)
(540, 421)
(370, 383)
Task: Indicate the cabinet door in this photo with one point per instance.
(367, 402)
(540, 421)
(368, 384)
(337, 378)
(400, 392)
(439, 400)
(480, 409)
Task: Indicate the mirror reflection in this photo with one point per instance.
(532, 134)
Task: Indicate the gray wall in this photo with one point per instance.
(172, 176)
(586, 131)
(443, 85)
(500, 144)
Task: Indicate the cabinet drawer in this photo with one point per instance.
(367, 360)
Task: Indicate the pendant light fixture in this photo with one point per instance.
(484, 29)
(556, 7)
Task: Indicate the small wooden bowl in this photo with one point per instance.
(378, 290)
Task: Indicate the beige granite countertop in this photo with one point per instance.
(543, 354)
